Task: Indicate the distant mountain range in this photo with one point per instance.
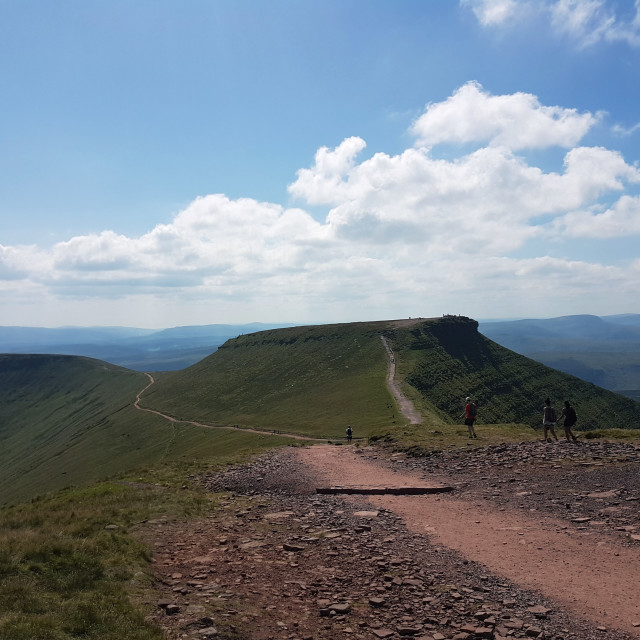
(134, 348)
(604, 350)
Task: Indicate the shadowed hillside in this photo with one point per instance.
(448, 360)
(67, 420)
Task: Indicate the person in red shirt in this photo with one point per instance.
(470, 414)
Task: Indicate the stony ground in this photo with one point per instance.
(591, 485)
(277, 561)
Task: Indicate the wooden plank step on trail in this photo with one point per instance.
(378, 491)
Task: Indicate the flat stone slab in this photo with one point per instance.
(394, 491)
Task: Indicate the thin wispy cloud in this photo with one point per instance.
(621, 131)
(584, 22)
(493, 12)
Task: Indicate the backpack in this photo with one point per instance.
(473, 410)
(571, 416)
(549, 414)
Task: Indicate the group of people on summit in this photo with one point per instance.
(549, 419)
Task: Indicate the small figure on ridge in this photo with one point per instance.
(470, 414)
(549, 420)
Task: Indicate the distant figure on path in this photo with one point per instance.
(349, 433)
(570, 419)
(470, 414)
(549, 420)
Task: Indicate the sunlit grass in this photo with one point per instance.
(71, 563)
(426, 438)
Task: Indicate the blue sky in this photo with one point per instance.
(171, 163)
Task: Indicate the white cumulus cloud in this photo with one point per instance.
(517, 121)
(403, 234)
(620, 220)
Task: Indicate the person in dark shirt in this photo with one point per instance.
(349, 433)
(570, 418)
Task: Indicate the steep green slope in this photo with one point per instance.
(67, 420)
(447, 359)
(309, 380)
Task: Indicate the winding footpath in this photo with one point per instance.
(405, 405)
(171, 419)
(595, 577)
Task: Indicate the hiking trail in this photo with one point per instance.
(597, 578)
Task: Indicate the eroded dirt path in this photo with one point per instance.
(404, 404)
(524, 548)
(596, 577)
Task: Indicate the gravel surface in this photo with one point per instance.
(275, 560)
(592, 484)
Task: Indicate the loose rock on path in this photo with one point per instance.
(276, 560)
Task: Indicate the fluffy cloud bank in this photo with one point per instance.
(484, 233)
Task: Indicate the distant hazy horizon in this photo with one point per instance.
(284, 324)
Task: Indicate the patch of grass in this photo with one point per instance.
(71, 565)
(63, 575)
(420, 440)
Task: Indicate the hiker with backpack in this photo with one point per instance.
(570, 419)
(470, 414)
(549, 420)
(349, 434)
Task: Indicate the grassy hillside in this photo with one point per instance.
(309, 380)
(68, 420)
(315, 380)
(447, 359)
(603, 350)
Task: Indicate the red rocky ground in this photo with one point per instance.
(276, 560)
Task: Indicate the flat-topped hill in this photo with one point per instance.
(318, 379)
